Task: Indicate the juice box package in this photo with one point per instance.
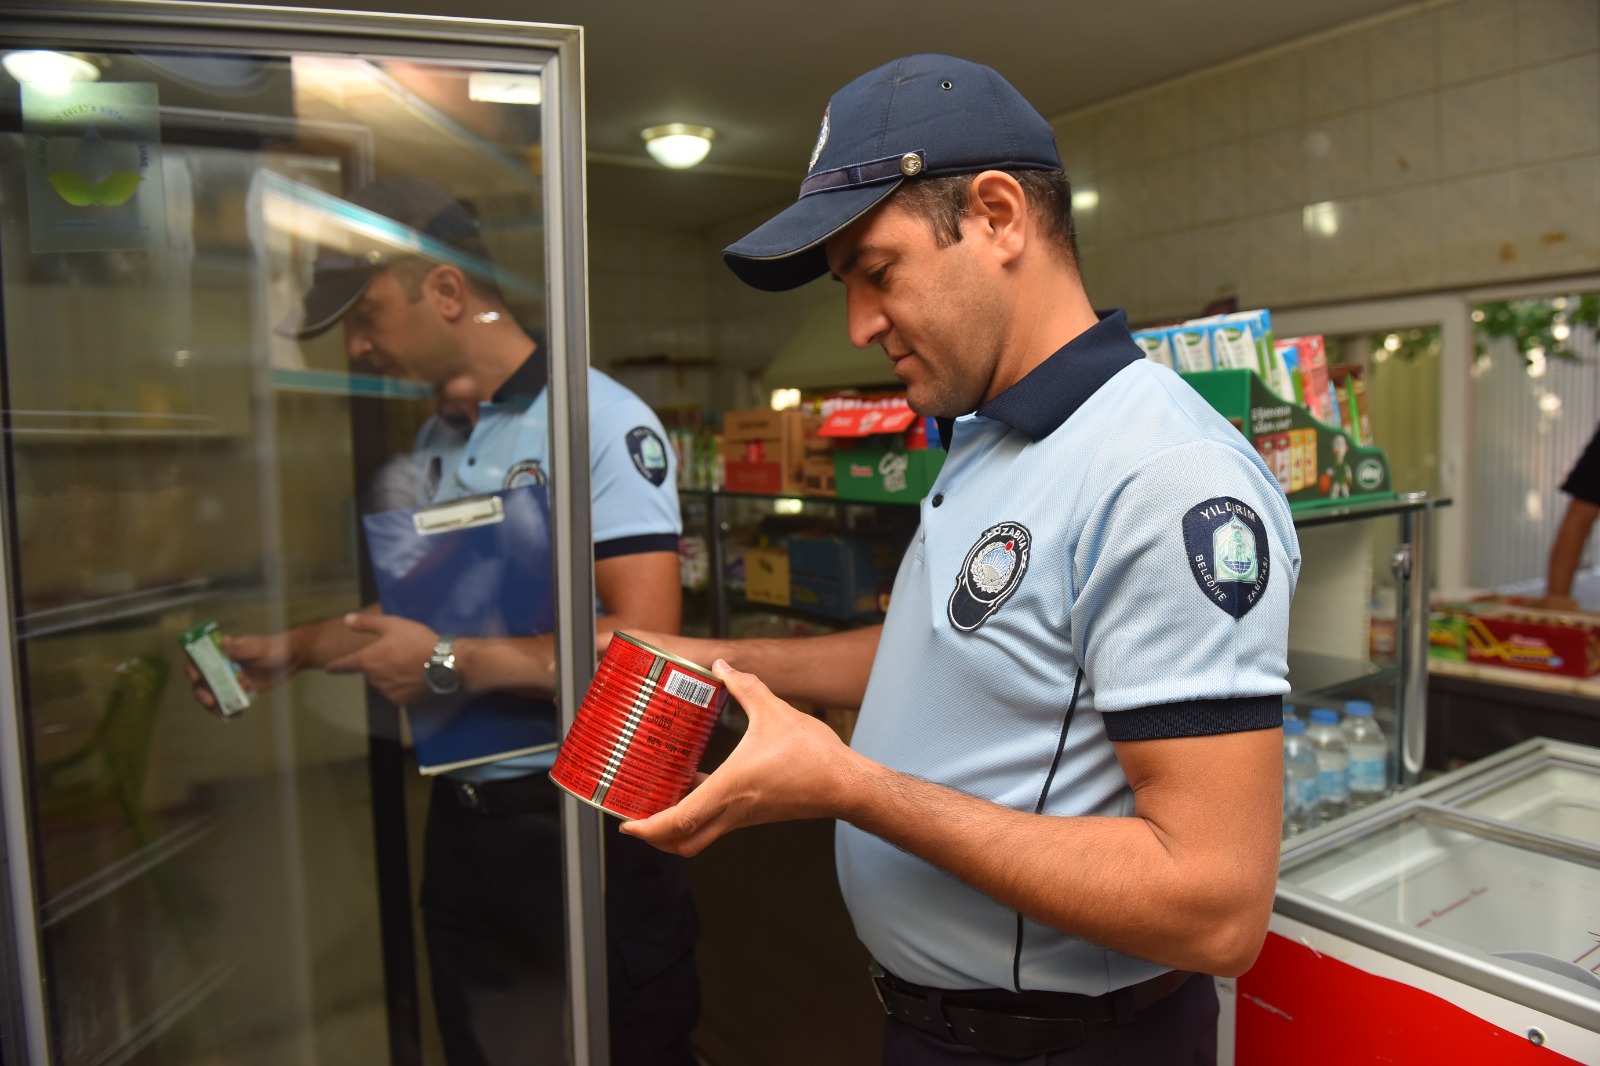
(222, 675)
(1191, 347)
(1157, 346)
(1311, 353)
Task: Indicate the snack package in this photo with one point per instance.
(1313, 375)
(203, 644)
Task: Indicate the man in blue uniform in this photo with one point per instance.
(492, 893)
(1060, 808)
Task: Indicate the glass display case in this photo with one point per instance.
(184, 888)
(1455, 921)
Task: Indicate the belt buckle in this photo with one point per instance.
(876, 973)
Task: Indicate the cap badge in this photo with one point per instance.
(822, 139)
(911, 164)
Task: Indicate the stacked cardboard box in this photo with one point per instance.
(881, 453)
(763, 451)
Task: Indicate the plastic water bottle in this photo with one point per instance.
(1300, 773)
(1369, 754)
(1288, 713)
(1333, 763)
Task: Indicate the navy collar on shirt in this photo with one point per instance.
(1048, 395)
(526, 382)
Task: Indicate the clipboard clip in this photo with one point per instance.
(459, 514)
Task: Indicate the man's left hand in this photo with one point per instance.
(788, 765)
(392, 662)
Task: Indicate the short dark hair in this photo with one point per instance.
(942, 201)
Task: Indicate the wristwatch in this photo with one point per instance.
(440, 669)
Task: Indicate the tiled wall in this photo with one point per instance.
(1454, 145)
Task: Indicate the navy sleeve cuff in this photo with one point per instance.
(650, 542)
(1195, 718)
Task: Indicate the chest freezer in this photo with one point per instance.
(1458, 921)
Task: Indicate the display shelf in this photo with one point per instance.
(1311, 674)
(185, 1002)
(1330, 512)
(181, 834)
(122, 606)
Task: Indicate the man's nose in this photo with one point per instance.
(865, 317)
(356, 344)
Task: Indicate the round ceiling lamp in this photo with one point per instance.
(678, 144)
(48, 70)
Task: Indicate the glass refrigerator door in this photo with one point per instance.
(192, 886)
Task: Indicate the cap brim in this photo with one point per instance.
(332, 293)
(787, 250)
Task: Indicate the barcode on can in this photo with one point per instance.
(687, 688)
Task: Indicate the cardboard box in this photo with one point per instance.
(1313, 462)
(1501, 633)
(816, 475)
(889, 475)
(766, 576)
(836, 577)
(763, 451)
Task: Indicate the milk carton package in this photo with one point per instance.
(1233, 346)
(1157, 345)
(1191, 347)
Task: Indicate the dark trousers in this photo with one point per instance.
(492, 901)
(1178, 1030)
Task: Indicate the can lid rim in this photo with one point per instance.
(667, 655)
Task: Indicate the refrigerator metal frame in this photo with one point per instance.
(224, 29)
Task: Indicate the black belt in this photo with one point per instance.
(1019, 1024)
(513, 795)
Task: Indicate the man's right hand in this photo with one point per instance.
(266, 660)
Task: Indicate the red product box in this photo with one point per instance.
(1527, 638)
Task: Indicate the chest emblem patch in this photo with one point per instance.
(989, 575)
(524, 472)
(649, 454)
(1227, 550)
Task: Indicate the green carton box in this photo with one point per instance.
(889, 475)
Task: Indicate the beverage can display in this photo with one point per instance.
(638, 736)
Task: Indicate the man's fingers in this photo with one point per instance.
(741, 686)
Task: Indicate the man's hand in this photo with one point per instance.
(267, 661)
(788, 766)
(392, 661)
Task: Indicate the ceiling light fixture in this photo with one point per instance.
(677, 144)
(51, 71)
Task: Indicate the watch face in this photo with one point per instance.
(441, 677)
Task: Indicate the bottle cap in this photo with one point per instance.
(1293, 727)
(1324, 716)
(1358, 708)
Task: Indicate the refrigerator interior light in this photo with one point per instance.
(495, 87)
(51, 71)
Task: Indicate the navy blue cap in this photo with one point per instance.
(338, 278)
(924, 116)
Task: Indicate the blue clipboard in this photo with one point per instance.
(474, 567)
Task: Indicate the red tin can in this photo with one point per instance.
(638, 736)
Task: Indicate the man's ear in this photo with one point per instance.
(446, 287)
(997, 205)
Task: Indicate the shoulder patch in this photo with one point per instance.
(1228, 554)
(989, 575)
(649, 454)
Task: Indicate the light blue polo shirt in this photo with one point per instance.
(1098, 516)
(632, 471)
